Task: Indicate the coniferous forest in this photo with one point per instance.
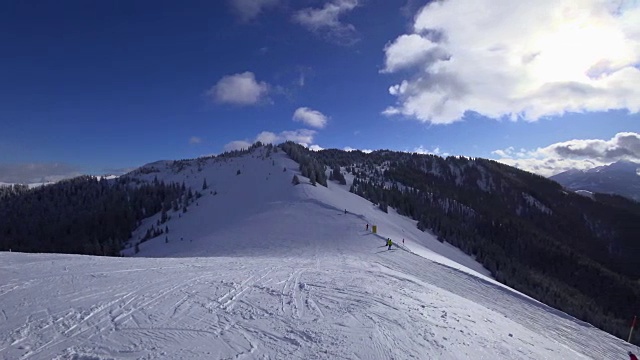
(83, 215)
(576, 254)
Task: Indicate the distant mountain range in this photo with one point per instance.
(619, 178)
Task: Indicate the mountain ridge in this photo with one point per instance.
(619, 178)
(251, 265)
(524, 229)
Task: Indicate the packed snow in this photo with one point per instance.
(267, 270)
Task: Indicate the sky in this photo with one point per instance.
(105, 87)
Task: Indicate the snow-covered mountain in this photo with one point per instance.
(621, 178)
(258, 268)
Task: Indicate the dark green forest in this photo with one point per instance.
(83, 215)
(571, 252)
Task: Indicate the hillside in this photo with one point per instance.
(566, 250)
(259, 268)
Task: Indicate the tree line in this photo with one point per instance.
(83, 215)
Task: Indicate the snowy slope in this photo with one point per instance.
(266, 270)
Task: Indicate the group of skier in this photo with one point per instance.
(388, 242)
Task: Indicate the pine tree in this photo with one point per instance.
(204, 184)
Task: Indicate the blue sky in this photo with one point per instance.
(98, 87)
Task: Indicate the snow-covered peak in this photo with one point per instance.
(617, 178)
(259, 268)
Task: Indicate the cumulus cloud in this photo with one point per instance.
(310, 117)
(247, 10)
(237, 145)
(325, 22)
(423, 150)
(315, 148)
(301, 136)
(239, 89)
(517, 60)
(267, 137)
(623, 146)
(195, 140)
(573, 154)
(36, 172)
(349, 148)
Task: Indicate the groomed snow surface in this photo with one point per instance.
(266, 270)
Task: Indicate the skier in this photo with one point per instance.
(403, 241)
(367, 227)
(391, 243)
(632, 357)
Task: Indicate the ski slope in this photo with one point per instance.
(268, 270)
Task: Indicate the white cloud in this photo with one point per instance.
(349, 148)
(195, 140)
(514, 59)
(310, 117)
(325, 22)
(422, 150)
(315, 148)
(239, 89)
(573, 154)
(248, 10)
(267, 137)
(301, 136)
(408, 50)
(425, 151)
(30, 173)
(237, 145)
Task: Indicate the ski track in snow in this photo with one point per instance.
(304, 281)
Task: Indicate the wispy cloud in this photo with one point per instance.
(325, 22)
(37, 172)
(247, 10)
(573, 154)
(195, 140)
(303, 73)
(239, 89)
(531, 59)
(310, 117)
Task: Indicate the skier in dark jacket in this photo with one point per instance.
(632, 357)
